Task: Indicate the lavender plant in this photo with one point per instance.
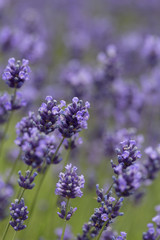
(60, 41)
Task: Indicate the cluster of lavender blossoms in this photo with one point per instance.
(19, 214)
(123, 86)
(69, 186)
(128, 173)
(74, 118)
(5, 106)
(36, 134)
(105, 214)
(153, 232)
(16, 73)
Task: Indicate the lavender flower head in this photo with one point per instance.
(110, 62)
(106, 213)
(37, 148)
(62, 212)
(128, 180)
(128, 173)
(5, 106)
(18, 212)
(153, 232)
(48, 115)
(27, 181)
(128, 153)
(151, 50)
(67, 235)
(70, 184)
(74, 118)
(25, 126)
(122, 237)
(16, 73)
(151, 163)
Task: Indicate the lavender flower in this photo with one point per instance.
(16, 73)
(128, 180)
(111, 63)
(7, 39)
(5, 106)
(151, 50)
(62, 214)
(122, 237)
(70, 184)
(128, 153)
(112, 139)
(18, 212)
(108, 234)
(108, 210)
(38, 148)
(27, 181)
(74, 118)
(152, 163)
(153, 232)
(68, 234)
(48, 115)
(6, 192)
(25, 126)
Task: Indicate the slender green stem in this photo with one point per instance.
(6, 230)
(64, 228)
(109, 189)
(102, 229)
(42, 180)
(67, 157)
(13, 168)
(14, 235)
(37, 193)
(58, 148)
(7, 125)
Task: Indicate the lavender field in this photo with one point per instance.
(79, 120)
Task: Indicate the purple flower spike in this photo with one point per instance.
(5, 106)
(122, 237)
(74, 118)
(48, 115)
(67, 235)
(128, 153)
(27, 181)
(16, 73)
(62, 212)
(70, 184)
(18, 212)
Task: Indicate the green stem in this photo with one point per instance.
(67, 157)
(37, 193)
(109, 189)
(14, 235)
(42, 180)
(58, 148)
(13, 168)
(7, 125)
(64, 228)
(6, 230)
